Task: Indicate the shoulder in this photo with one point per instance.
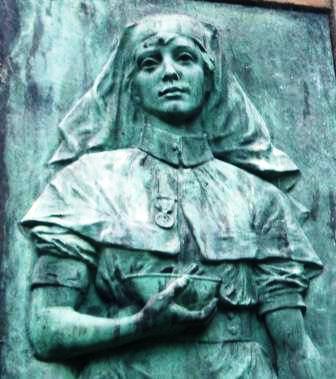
(93, 165)
(108, 159)
(260, 195)
(244, 180)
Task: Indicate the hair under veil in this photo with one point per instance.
(107, 118)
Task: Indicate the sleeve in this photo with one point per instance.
(280, 284)
(50, 270)
(64, 258)
(61, 242)
(278, 233)
(286, 259)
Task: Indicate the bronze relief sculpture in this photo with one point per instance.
(165, 249)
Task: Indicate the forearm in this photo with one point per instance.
(297, 357)
(61, 332)
(57, 330)
(286, 328)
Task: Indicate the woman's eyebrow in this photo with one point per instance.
(192, 49)
(153, 49)
(145, 51)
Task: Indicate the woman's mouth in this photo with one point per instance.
(172, 91)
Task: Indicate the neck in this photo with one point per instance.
(186, 127)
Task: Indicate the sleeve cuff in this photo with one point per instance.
(64, 272)
(288, 300)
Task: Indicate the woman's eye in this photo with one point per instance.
(148, 64)
(185, 57)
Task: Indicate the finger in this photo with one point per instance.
(172, 289)
(191, 269)
(163, 298)
(203, 315)
(182, 314)
(209, 310)
(199, 271)
(176, 286)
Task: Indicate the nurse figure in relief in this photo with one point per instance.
(164, 250)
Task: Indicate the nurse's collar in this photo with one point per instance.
(177, 150)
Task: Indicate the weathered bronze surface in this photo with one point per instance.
(163, 237)
(168, 244)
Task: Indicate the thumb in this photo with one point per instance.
(173, 289)
(177, 285)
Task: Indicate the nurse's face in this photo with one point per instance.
(170, 81)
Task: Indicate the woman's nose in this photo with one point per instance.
(170, 71)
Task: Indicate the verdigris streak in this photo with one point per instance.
(164, 248)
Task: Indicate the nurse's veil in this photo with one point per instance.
(106, 117)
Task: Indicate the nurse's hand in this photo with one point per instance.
(161, 310)
(161, 315)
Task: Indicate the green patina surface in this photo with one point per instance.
(282, 62)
